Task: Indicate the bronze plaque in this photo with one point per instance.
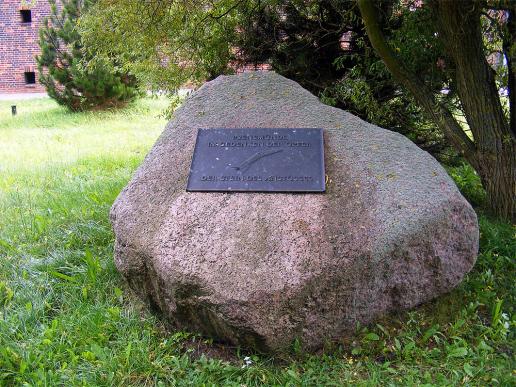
(258, 160)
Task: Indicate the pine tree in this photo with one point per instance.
(73, 76)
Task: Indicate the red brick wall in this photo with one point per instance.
(19, 44)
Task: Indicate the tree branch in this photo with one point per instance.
(436, 112)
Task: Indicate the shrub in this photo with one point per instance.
(72, 75)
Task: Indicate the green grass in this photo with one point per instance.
(66, 317)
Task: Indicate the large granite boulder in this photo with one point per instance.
(261, 270)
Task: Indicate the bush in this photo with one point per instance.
(73, 76)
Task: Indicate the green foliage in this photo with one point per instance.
(68, 319)
(171, 43)
(469, 183)
(166, 43)
(72, 76)
(367, 88)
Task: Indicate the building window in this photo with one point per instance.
(26, 15)
(30, 77)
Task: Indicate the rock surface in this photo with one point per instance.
(260, 270)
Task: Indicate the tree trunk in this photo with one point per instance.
(498, 175)
(493, 152)
(458, 24)
(509, 49)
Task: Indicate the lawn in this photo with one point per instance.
(66, 317)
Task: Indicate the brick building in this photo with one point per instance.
(19, 28)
